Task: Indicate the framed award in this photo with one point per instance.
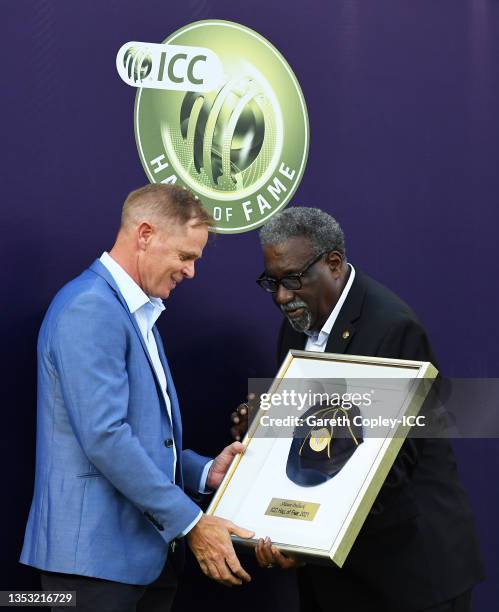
(325, 434)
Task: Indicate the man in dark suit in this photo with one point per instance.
(418, 549)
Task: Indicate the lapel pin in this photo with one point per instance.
(346, 334)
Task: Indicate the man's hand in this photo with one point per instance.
(239, 418)
(210, 542)
(269, 556)
(221, 464)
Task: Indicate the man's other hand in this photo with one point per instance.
(239, 418)
(210, 542)
(221, 464)
(269, 556)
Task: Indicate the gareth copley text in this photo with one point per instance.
(314, 421)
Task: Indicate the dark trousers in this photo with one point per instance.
(348, 595)
(97, 595)
(459, 604)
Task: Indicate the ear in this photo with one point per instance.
(144, 235)
(335, 262)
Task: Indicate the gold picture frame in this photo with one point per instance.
(257, 494)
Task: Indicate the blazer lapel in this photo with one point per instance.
(170, 387)
(102, 271)
(98, 268)
(344, 327)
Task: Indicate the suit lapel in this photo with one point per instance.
(172, 394)
(102, 271)
(344, 327)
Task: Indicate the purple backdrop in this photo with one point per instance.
(403, 98)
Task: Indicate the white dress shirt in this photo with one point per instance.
(317, 341)
(146, 311)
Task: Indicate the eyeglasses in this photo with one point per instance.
(292, 282)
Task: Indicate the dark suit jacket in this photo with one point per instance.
(418, 546)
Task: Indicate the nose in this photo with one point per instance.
(188, 269)
(283, 296)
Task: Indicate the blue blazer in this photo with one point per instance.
(105, 501)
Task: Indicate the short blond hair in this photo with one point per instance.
(158, 202)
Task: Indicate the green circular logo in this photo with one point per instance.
(238, 141)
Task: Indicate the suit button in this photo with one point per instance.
(168, 442)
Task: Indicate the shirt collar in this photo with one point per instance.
(133, 295)
(323, 335)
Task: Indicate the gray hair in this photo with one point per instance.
(323, 231)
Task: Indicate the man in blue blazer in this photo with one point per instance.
(110, 499)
